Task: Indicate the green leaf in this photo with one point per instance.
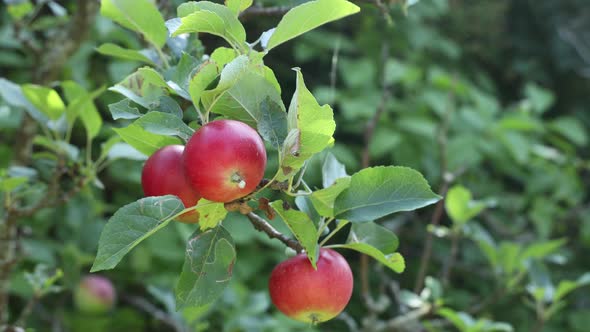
(179, 76)
(460, 206)
(245, 99)
(208, 265)
(570, 128)
(117, 51)
(374, 235)
(164, 124)
(567, 286)
(311, 127)
(19, 10)
(302, 227)
(45, 100)
(138, 15)
(460, 320)
(213, 18)
(11, 183)
(376, 241)
(13, 95)
(207, 72)
(123, 110)
(308, 16)
(144, 141)
(272, 124)
(210, 213)
(394, 261)
(132, 224)
(323, 199)
(540, 250)
(144, 87)
(166, 104)
(238, 6)
(81, 105)
(332, 170)
(379, 191)
(540, 98)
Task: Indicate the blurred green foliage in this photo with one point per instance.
(491, 96)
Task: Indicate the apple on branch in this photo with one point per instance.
(312, 295)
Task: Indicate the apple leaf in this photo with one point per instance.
(376, 241)
(238, 6)
(132, 224)
(302, 227)
(311, 127)
(308, 16)
(374, 235)
(167, 104)
(244, 100)
(117, 51)
(460, 206)
(81, 105)
(209, 260)
(13, 95)
(144, 87)
(206, 73)
(144, 141)
(378, 191)
(138, 15)
(332, 170)
(323, 199)
(123, 110)
(210, 213)
(45, 100)
(272, 124)
(164, 124)
(213, 18)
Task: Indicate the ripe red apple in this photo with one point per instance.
(163, 174)
(309, 295)
(225, 160)
(94, 295)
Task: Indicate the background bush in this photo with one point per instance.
(487, 98)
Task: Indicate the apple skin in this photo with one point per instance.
(94, 295)
(225, 160)
(163, 174)
(308, 295)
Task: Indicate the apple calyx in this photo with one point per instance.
(236, 178)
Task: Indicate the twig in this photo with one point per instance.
(447, 179)
(450, 262)
(154, 311)
(263, 226)
(401, 323)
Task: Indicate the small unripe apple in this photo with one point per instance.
(163, 174)
(225, 160)
(94, 295)
(309, 295)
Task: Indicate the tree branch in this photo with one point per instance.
(447, 179)
(263, 226)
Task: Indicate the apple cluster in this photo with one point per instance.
(223, 161)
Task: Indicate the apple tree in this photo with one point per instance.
(221, 140)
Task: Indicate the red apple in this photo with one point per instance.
(94, 295)
(225, 160)
(163, 174)
(309, 295)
